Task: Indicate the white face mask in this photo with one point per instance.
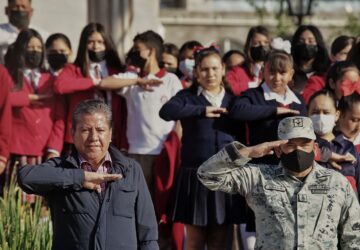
(186, 67)
(323, 124)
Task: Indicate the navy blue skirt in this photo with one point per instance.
(196, 205)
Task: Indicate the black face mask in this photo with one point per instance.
(57, 60)
(136, 60)
(259, 53)
(33, 59)
(171, 70)
(297, 160)
(97, 56)
(305, 51)
(19, 19)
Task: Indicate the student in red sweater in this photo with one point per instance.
(58, 52)
(96, 58)
(339, 51)
(310, 56)
(37, 114)
(247, 76)
(5, 119)
(339, 74)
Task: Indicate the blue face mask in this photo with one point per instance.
(186, 67)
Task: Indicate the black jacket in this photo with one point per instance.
(123, 219)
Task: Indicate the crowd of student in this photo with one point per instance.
(174, 108)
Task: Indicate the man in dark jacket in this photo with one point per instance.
(98, 197)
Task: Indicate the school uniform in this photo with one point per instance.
(36, 128)
(342, 146)
(314, 84)
(240, 79)
(356, 143)
(76, 88)
(146, 132)
(258, 108)
(202, 137)
(5, 114)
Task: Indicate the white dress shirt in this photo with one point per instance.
(286, 99)
(214, 99)
(33, 75)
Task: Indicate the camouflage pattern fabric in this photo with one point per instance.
(318, 213)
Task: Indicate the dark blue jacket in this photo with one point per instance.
(342, 146)
(125, 219)
(202, 136)
(261, 118)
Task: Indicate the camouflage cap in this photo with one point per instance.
(296, 127)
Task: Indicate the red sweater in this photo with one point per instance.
(238, 79)
(314, 84)
(36, 128)
(5, 113)
(76, 88)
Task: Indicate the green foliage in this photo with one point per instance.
(285, 27)
(353, 25)
(22, 225)
(260, 9)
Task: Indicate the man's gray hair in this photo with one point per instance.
(91, 107)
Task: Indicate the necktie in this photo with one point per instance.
(32, 77)
(98, 93)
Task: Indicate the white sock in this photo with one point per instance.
(248, 238)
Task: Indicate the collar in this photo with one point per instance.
(214, 99)
(357, 140)
(201, 90)
(107, 158)
(101, 64)
(160, 74)
(286, 99)
(36, 72)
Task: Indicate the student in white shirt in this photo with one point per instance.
(146, 131)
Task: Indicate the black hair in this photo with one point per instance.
(354, 54)
(55, 37)
(82, 58)
(172, 49)
(347, 103)
(15, 55)
(152, 40)
(252, 32)
(340, 43)
(324, 92)
(337, 70)
(228, 54)
(188, 45)
(322, 60)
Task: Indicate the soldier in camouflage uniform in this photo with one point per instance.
(298, 204)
